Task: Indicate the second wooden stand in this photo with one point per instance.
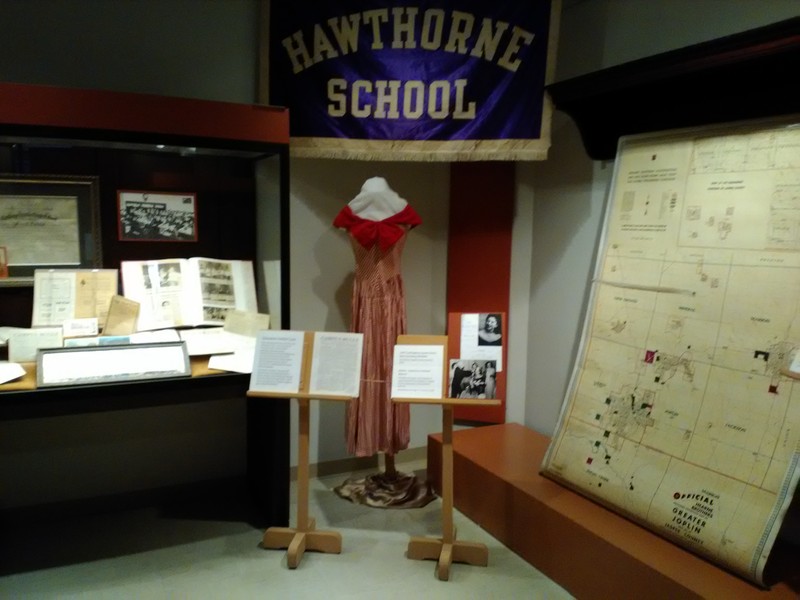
(304, 536)
(447, 549)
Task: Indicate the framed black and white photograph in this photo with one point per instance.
(49, 221)
(147, 216)
(490, 329)
(473, 378)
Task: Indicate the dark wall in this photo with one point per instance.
(190, 48)
(225, 204)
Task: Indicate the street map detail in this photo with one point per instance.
(683, 412)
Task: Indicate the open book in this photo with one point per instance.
(195, 291)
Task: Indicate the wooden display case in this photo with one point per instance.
(232, 159)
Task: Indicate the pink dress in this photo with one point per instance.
(375, 423)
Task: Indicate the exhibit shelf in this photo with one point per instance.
(20, 399)
(44, 110)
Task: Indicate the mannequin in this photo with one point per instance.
(377, 221)
(377, 201)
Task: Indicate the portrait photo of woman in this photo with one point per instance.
(490, 332)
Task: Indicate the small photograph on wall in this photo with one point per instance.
(490, 329)
(473, 378)
(481, 336)
(146, 216)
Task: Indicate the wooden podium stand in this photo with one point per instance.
(447, 549)
(304, 536)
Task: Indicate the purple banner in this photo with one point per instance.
(450, 80)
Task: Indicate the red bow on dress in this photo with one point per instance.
(385, 232)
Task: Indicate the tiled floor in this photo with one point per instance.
(208, 550)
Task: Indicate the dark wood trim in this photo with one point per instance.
(128, 114)
(750, 75)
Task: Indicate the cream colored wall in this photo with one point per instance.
(558, 214)
(322, 269)
(569, 190)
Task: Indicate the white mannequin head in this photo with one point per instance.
(376, 201)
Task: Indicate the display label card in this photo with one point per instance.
(80, 327)
(336, 364)
(81, 342)
(5, 333)
(237, 341)
(206, 341)
(23, 344)
(277, 362)
(240, 359)
(417, 371)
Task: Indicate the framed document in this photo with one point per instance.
(111, 364)
(49, 221)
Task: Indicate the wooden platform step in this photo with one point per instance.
(589, 550)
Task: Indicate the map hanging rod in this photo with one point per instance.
(648, 288)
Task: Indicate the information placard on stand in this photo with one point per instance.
(447, 549)
(305, 366)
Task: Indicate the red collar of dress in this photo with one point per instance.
(385, 232)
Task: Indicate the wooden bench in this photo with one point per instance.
(589, 550)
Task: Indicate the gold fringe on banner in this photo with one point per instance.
(506, 150)
(426, 151)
